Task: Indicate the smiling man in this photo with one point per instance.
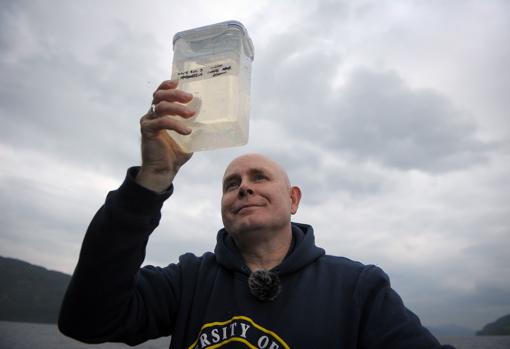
(267, 285)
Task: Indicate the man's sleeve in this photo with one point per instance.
(109, 297)
(385, 321)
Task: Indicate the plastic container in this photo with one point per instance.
(214, 64)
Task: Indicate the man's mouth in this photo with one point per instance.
(240, 208)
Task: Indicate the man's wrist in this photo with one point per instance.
(157, 181)
(137, 199)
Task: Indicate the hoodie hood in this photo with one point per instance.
(303, 251)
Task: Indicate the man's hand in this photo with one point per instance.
(161, 156)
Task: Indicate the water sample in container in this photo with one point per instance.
(214, 64)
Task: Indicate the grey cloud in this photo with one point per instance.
(487, 297)
(375, 116)
(478, 308)
(497, 244)
(79, 111)
(296, 78)
(424, 293)
(319, 180)
(382, 119)
(7, 28)
(64, 120)
(37, 223)
(163, 250)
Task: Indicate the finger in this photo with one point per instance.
(169, 108)
(171, 96)
(168, 84)
(150, 114)
(151, 127)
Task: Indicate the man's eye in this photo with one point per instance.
(259, 177)
(230, 186)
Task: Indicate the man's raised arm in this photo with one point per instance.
(109, 297)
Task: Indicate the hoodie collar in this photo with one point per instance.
(303, 251)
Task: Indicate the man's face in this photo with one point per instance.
(257, 195)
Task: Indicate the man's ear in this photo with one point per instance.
(295, 197)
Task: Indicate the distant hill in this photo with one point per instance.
(29, 293)
(500, 327)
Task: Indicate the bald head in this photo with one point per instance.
(255, 159)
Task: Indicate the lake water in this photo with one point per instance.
(17, 335)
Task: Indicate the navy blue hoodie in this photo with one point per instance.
(205, 302)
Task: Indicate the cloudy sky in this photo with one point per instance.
(392, 117)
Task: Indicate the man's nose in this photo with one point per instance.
(244, 190)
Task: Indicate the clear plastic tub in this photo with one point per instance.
(214, 64)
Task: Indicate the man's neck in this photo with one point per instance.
(264, 250)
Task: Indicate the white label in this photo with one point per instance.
(206, 71)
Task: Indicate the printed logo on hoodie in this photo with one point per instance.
(237, 330)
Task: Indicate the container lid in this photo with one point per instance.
(217, 29)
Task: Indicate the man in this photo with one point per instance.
(265, 286)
